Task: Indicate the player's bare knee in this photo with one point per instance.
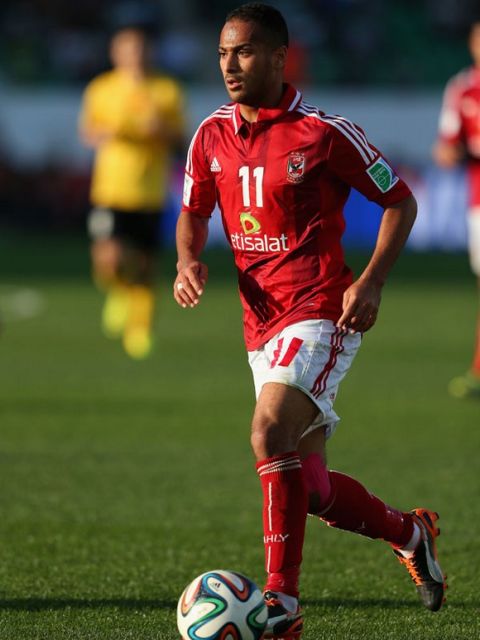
(105, 256)
(270, 437)
(263, 440)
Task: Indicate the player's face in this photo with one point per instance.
(129, 50)
(474, 43)
(251, 68)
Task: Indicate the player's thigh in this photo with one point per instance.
(139, 233)
(281, 415)
(283, 407)
(138, 262)
(105, 248)
(312, 356)
(106, 254)
(314, 442)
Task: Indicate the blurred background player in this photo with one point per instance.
(459, 141)
(133, 118)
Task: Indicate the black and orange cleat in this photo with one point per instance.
(282, 624)
(423, 565)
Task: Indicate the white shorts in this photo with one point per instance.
(313, 356)
(473, 226)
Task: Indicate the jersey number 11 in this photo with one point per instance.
(244, 173)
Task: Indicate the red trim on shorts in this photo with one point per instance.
(336, 347)
(277, 353)
(291, 352)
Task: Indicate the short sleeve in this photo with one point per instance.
(359, 164)
(199, 192)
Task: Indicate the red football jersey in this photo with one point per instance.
(281, 184)
(460, 122)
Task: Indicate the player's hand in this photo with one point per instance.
(190, 283)
(95, 136)
(360, 306)
(154, 127)
(447, 155)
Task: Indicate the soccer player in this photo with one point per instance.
(459, 141)
(281, 171)
(133, 118)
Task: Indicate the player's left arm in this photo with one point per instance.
(361, 300)
(91, 131)
(361, 165)
(172, 123)
(166, 124)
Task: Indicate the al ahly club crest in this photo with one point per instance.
(296, 167)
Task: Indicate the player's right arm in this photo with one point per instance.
(91, 131)
(94, 136)
(192, 234)
(199, 197)
(449, 148)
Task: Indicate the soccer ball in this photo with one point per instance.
(221, 605)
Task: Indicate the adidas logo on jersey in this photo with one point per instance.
(215, 166)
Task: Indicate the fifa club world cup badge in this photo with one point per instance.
(296, 167)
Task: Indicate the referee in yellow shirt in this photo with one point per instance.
(133, 118)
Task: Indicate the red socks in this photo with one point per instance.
(336, 498)
(348, 505)
(317, 479)
(285, 504)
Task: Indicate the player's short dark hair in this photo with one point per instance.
(269, 19)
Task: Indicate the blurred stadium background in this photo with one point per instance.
(383, 64)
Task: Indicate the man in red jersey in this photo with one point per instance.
(281, 171)
(459, 141)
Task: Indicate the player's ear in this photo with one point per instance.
(280, 57)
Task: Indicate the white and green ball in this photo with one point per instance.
(221, 605)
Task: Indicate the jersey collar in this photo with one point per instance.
(290, 99)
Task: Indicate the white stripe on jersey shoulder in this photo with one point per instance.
(308, 110)
(295, 101)
(355, 131)
(345, 126)
(354, 134)
(224, 112)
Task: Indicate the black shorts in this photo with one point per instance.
(137, 228)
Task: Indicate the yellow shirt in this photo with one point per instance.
(131, 168)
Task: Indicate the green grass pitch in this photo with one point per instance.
(121, 481)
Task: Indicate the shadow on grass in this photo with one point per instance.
(45, 604)
(380, 603)
(358, 603)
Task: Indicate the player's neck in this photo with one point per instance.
(272, 100)
(134, 73)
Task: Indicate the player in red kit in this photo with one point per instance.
(281, 171)
(459, 141)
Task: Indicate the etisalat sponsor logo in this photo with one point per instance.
(252, 240)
